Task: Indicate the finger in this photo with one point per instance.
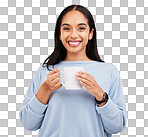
(54, 76)
(54, 71)
(84, 73)
(56, 80)
(85, 85)
(58, 84)
(84, 76)
(85, 81)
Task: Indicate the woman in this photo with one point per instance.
(98, 109)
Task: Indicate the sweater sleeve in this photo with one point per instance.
(32, 111)
(113, 113)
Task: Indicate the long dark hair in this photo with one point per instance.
(59, 53)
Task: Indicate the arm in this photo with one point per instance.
(33, 110)
(113, 113)
(36, 99)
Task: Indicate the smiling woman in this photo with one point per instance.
(95, 110)
(75, 23)
(75, 35)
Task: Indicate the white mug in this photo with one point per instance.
(70, 78)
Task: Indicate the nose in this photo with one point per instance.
(74, 34)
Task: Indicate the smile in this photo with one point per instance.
(74, 43)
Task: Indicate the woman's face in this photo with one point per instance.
(75, 32)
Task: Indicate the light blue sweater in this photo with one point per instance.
(74, 113)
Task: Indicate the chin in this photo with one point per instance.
(75, 51)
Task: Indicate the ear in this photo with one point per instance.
(60, 36)
(91, 34)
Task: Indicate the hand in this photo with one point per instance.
(89, 82)
(52, 80)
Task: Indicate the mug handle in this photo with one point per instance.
(61, 81)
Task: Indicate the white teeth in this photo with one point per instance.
(74, 42)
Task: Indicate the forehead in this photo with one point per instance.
(74, 17)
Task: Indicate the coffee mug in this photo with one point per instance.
(70, 78)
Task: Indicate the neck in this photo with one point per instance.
(79, 57)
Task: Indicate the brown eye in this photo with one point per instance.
(82, 28)
(66, 28)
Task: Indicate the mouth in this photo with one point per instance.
(74, 43)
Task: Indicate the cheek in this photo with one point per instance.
(64, 40)
(64, 37)
(85, 38)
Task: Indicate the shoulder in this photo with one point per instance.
(37, 73)
(107, 66)
(40, 73)
(40, 70)
(114, 72)
(44, 68)
(113, 69)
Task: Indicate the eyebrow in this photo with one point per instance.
(78, 24)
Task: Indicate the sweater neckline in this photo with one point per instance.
(87, 61)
